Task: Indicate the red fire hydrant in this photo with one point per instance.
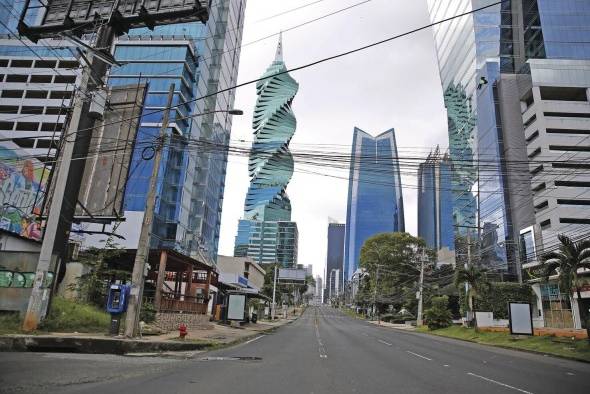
(182, 331)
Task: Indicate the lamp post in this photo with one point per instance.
(143, 246)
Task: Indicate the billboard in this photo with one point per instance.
(82, 16)
(521, 318)
(292, 275)
(22, 190)
(236, 307)
(110, 153)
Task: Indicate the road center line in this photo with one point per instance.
(254, 339)
(499, 383)
(385, 343)
(419, 355)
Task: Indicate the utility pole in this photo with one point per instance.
(143, 246)
(274, 293)
(421, 290)
(66, 185)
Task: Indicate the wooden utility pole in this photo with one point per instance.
(143, 246)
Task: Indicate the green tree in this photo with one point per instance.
(438, 315)
(566, 262)
(92, 286)
(393, 261)
(477, 281)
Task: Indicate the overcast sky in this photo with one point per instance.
(395, 85)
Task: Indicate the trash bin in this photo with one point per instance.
(254, 317)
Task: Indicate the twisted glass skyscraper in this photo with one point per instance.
(266, 233)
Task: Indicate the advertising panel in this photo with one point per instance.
(236, 307)
(521, 318)
(22, 189)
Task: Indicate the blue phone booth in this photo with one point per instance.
(118, 298)
(117, 304)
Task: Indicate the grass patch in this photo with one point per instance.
(10, 323)
(564, 347)
(70, 316)
(352, 313)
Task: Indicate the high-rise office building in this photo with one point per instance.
(199, 59)
(335, 260)
(375, 202)
(266, 233)
(480, 58)
(37, 84)
(435, 206)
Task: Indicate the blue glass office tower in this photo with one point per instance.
(474, 52)
(335, 260)
(435, 206)
(200, 59)
(375, 203)
(266, 234)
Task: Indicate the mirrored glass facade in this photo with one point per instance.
(266, 230)
(200, 59)
(335, 258)
(375, 202)
(435, 206)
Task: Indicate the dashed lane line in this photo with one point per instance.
(254, 339)
(419, 355)
(498, 383)
(385, 343)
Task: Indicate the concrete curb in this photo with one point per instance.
(120, 346)
(531, 351)
(40, 343)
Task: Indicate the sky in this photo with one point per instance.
(394, 85)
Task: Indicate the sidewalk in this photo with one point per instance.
(404, 327)
(218, 335)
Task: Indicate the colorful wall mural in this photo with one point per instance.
(22, 189)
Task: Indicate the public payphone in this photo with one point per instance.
(117, 300)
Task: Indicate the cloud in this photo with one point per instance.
(393, 85)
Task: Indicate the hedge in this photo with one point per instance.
(496, 299)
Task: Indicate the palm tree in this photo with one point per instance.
(566, 262)
(477, 281)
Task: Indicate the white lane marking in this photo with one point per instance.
(499, 383)
(570, 373)
(419, 355)
(321, 348)
(385, 343)
(254, 339)
(446, 365)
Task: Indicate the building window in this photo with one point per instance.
(567, 131)
(545, 223)
(535, 153)
(21, 63)
(36, 94)
(574, 221)
(64, 79)
(530, 121)
(532, 137)
(563, 93)
(541, 205)
(12, 93)
(31, 110)
(41, 78)
(27, 126)
(567, 114)
(17, 78)
(566, 201)
(572, 183)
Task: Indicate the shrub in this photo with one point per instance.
(438, 316)
(148, 312)
(498, 296)
(68, 316)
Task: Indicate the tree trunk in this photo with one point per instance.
(583, 314)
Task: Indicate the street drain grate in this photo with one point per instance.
(230, 359)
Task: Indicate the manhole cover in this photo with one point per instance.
(230, 359)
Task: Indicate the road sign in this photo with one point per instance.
(292, 275)
(82, 16)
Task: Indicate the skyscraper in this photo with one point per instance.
(375, 202)
(266, 233)
(484, 61)
(199, 59)
(335, 259)
(435, 206)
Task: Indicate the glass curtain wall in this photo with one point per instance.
(375, 203)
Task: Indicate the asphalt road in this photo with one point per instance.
(324, 351)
